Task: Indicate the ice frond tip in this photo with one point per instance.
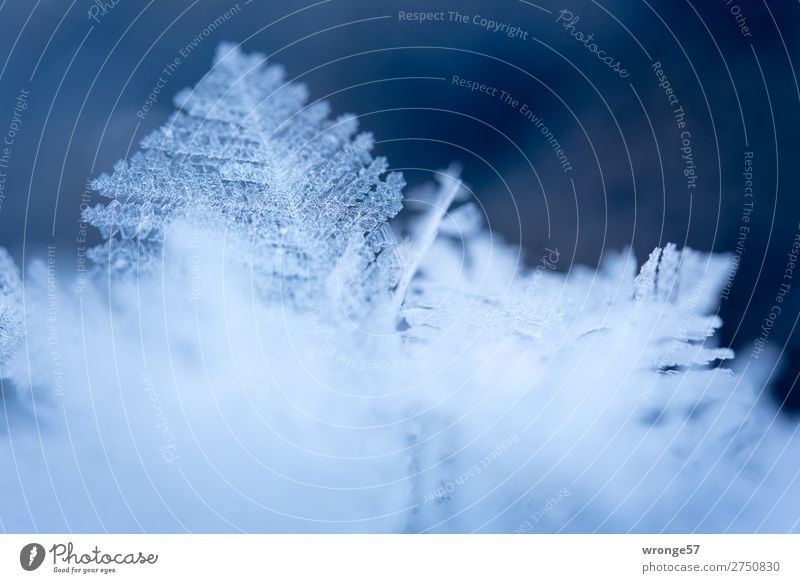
(297, 193)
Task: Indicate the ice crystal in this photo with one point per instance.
(10, 307)
(297, 191)
(501, 394)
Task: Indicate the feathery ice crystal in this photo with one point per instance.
(298, 191)
(492, 397)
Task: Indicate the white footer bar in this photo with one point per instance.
(407, 558)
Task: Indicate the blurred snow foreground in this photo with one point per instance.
(264, 346)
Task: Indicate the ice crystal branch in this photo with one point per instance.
(425, 230)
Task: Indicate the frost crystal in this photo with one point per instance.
(10, 306)
(298, 192)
